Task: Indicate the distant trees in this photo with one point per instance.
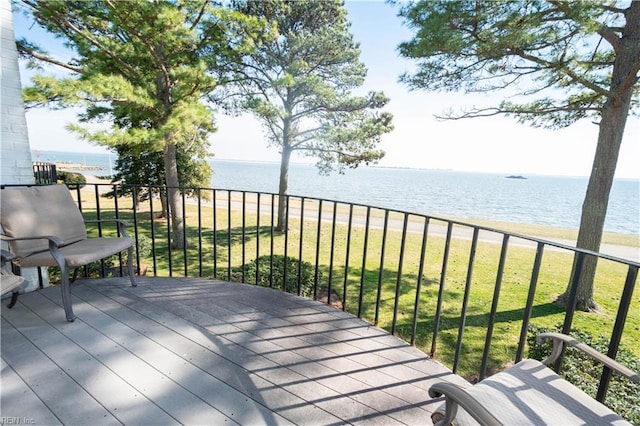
(300, 85)
(559, 62)
(145, 68)
(145, 168)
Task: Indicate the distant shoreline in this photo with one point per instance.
(554, 201)
(72, 167)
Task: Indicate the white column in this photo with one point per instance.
(15, 152)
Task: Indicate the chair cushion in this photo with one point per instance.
(8, 282)
(80, 253)
(40, 210)
(531, 393)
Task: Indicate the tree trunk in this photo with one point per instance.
(612, 124)
(174, 196)
(163, 203)
(283, 187)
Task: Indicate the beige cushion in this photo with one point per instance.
(80, 253)
(40, 210)
(530, 393)
(8, 282)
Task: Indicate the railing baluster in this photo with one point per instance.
(364, 261)
(396, 299)
(136, 230)
(346, 260)
(200, 233)
(616, 336)
(416, 303)
(571, 302)
(185, 256)
(244, 235)
(465, 299)
(530, 299)
(258, 238)
(153, 233)
(228, 235)
(443, 279)
(381, 270)
(273, 196)
(494, 306)
(316, 273)
(300, 246)
(215, 234)
(169, 251)
(286, 243)
(96, 195)
(117, 216)
(331, 253)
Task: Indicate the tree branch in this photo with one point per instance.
(45, 58)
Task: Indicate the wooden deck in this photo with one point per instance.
(194, 351)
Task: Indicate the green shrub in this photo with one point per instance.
(584, 372)
(266, 274)
(71, 178)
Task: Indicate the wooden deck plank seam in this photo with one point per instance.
(279, 385)
(101, 304)
(270, 353)
(365, 369)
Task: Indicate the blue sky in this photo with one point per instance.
(496, 144)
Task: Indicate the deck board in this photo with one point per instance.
(195, 351)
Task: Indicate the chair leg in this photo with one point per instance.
(130, 266)
(65, 288)
(14, 299)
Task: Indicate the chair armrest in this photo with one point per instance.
(559, 340)
(6, 255)
(457, 396)
(55, 240)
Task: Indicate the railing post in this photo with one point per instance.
(286, 243)
(364, 261)
(443, 279)
(530, 299)
(244, 234)
(215, 234)
(416, 303)
(465, 299)
(331, 254)
(257, 238)
(273, 203)
(301, 245)
(199, 192)
(318, 233)
(396, 299)
(381, 269)
(346, 260)
(571, 303)
(621, 317)
(228, 235)
(494, 306)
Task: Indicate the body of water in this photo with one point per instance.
(543, 200)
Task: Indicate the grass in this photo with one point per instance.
(378, 273)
